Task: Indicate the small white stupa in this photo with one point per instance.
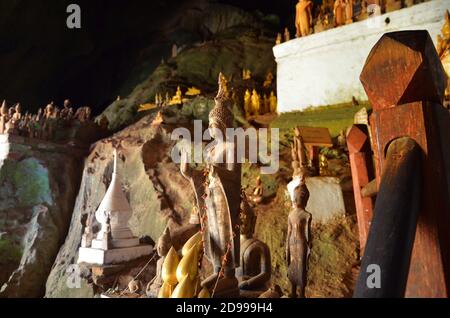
(114, 242)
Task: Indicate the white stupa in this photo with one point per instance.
(114, 243)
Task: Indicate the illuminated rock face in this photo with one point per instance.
(39, 182)
(324, 68)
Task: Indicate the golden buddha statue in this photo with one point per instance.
(269, 80)
(158, 120)
(323, 166)
(247, 103)
(178, 98)
(273, 102)
(193, 91)
(279, 39)
(255, 103)
(339, 13)
(266, 103)
(257, 194)
(4, 118)
(224, 82)
(246, 74)
(222, 199)
(287, 35)
(303, 18)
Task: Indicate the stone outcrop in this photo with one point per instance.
(39, 181)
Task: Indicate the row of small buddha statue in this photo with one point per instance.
(342, 11)
(255, 105)
(43, 124)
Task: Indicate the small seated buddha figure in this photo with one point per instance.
(162, 248)
(255, 266)
(257, 194)
(178, 98)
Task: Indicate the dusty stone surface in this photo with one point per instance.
(38, 186)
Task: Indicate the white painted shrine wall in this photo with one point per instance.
(324, 68)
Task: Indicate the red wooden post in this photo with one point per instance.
(361, 167)
(405, 82)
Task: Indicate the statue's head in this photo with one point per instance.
(220, 116)
(164, 243)
(298, 192)
(67, 103)
(247, 217)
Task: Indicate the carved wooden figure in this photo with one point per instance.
(298, 240)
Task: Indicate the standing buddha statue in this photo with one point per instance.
(222, 198)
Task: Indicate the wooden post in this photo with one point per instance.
(391, 236)
(362, 173)
(405, 82)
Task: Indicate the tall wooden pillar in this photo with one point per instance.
(405, 82)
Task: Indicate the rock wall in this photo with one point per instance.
(236, 40)
(38, 185)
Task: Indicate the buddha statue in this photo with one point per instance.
(348, 11)
(174, 51)
(279, 39)
(158, 120)
(273, 102)
(178, 98)
(323, 165)
(67, 110)
(193, 91)
(298, 240)
(268, 81)
(224, 83)
(265, 105)
(303, 18)
(339, 13)
(3, 117)
(255, 103)
(246, 74)
(222, 199)
(162, 248)
(255, 270)
(247, 103)
(18, 113)
(257, 194)
(287, 35)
